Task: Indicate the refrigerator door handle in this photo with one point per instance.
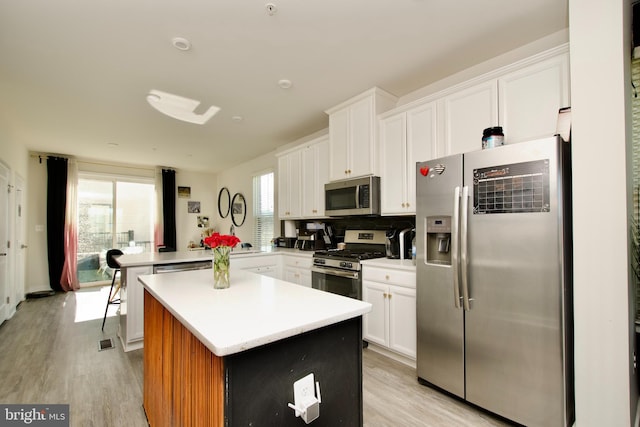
(464, 219)
(455, 231)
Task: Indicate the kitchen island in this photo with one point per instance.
(231, 356)
(131, 315)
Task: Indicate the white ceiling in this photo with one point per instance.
(74, 74)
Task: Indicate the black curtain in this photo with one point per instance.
(169, 208)
(56, 205)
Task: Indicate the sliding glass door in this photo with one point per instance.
(112, 213)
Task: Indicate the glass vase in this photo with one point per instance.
(221, 267)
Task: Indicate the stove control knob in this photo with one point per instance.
(318, 261)
(345, 264)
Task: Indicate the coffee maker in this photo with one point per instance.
(392, 243)
(311, 240)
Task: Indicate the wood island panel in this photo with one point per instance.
(183, 380)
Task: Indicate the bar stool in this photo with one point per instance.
(116, 269)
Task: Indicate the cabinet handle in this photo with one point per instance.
(386, 277)
(407, 204)
(384, 295)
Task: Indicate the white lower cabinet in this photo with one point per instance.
(131, 330)
(266, 265)
(391, 323)
(297, 269)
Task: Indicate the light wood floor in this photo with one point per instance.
(49, 354)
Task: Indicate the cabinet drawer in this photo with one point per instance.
(297, 261)
(250, 262)
(389, 276)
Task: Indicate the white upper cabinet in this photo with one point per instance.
(315, 173)
(302, 173)
(405, 138)
(531, 97)
(352, 134)
(466, 114)
(289, 185)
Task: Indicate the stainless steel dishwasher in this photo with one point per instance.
(181, 266)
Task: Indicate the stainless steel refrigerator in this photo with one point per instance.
(494, 279)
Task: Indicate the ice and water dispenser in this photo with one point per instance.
(438, 240)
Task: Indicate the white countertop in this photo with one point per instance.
(158, 258)
(255, 310)
(399, 264)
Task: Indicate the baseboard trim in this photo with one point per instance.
(392, 355)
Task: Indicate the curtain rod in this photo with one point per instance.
(90, 162)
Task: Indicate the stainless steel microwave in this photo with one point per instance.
(358, 196)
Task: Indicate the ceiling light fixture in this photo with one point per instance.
(285, 84)
(179, 108)
(237, 119)
(181, 43)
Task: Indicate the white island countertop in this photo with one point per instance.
(255, 310)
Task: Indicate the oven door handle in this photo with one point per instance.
(335, 272)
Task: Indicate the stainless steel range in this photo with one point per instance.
(338, 270)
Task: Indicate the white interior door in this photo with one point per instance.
(4, 241)
(20, 243)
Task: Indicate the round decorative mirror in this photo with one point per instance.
(238, 209)
(224, 202)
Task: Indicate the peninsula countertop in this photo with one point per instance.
(254, 311)
(157, 258)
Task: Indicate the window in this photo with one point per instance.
(112, 213)
(263, 202)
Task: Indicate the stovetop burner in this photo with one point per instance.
(360, 245)
(349, 254)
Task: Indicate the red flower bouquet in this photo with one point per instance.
(221, 245)
(217, 239)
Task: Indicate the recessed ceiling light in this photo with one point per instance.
(237, 118)
(285, 84)
(181, 43)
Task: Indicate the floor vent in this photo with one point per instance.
(105, 344)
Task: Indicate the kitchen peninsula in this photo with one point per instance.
(230, 357)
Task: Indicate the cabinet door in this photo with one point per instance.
(466, 114)
(292, 275)
(315, 166)
(531, 97)
(402, 320)
(361, 148)
(393, 164)
(338, 144)
(305, 278)
(289, 185)
(375, 322)
(322, 165)
(283, 186)
(421, 146)
(135, 302)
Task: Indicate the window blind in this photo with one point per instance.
(263, 203)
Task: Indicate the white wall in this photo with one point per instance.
(606, 394)
(204, 190)
(239, 179)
